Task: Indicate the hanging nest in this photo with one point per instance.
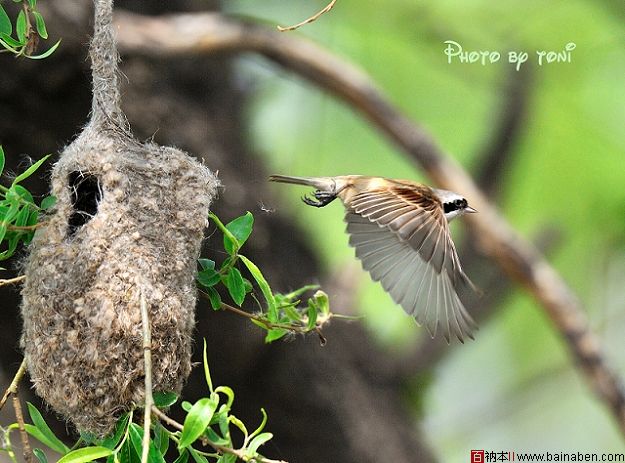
(128, 223)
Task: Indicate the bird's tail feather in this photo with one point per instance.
(320, 183)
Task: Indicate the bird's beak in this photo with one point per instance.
(469, 210)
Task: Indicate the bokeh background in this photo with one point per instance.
(555, 134)
(514, 388)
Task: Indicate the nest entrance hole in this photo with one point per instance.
(86, 194)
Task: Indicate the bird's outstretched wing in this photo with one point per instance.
(402, 238)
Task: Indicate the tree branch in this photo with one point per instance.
(496, 155)
(211, 33)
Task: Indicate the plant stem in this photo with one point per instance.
(11, 281)
(19, 416)
(12, 389)
(147, 360)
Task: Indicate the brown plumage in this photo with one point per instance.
(400, 233)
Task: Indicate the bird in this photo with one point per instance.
(399, 230)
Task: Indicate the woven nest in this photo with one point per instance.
(129, 221)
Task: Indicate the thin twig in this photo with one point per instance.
(303, 329)
(12, 389)
(23, 227)
(12, 281)
(210, 33)
(220, 448)
(313, 18)
(19, 416)
(163, 417)
(147, 360)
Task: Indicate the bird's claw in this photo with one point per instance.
(323, 198)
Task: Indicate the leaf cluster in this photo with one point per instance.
(279, 314)
(22, 38)
(204, 437)
(19, 214)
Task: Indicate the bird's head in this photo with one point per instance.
(454, 205)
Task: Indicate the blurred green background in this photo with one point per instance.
(515, 387)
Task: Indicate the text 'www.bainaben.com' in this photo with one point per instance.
(488, 456)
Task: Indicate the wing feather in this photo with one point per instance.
(406, 246)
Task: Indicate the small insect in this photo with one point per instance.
(266, 209)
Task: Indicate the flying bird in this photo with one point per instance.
(400, 233)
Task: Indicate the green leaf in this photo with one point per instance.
(41, 457)
(196, 456)
(47, 53)
(23, 193)
(207, 373)
(111, 441)
(11, 213)
(196, 421)
(312, 315)
(322, 301)
(252, 448)
(41, 25)
(3, 231)
(5, 27)
(292, 313)
(85, 455)
(234, 243)
(11, 43)
(208, 277)
(46, 436)
(161, 438)
(214, 298)
(263, 422)
(224, 426)
(13, 242)
(228, 392)
(227, 458)
(32, 3)
(298, 292)
(264, 288)
(235, 285)
(127, 454)
(28, 172)
(21, 219)
(183, 457)
(241, 228)
(248, 286)
(186, 406)
(275, 334)
(48, 202)
(136, 437)
(216, 438)
(207, 264)
(239, 424)
(1, 150)
(20, 27)
(164, 399)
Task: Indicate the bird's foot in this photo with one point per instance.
(323, 198)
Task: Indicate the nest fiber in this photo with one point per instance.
(128, 222)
